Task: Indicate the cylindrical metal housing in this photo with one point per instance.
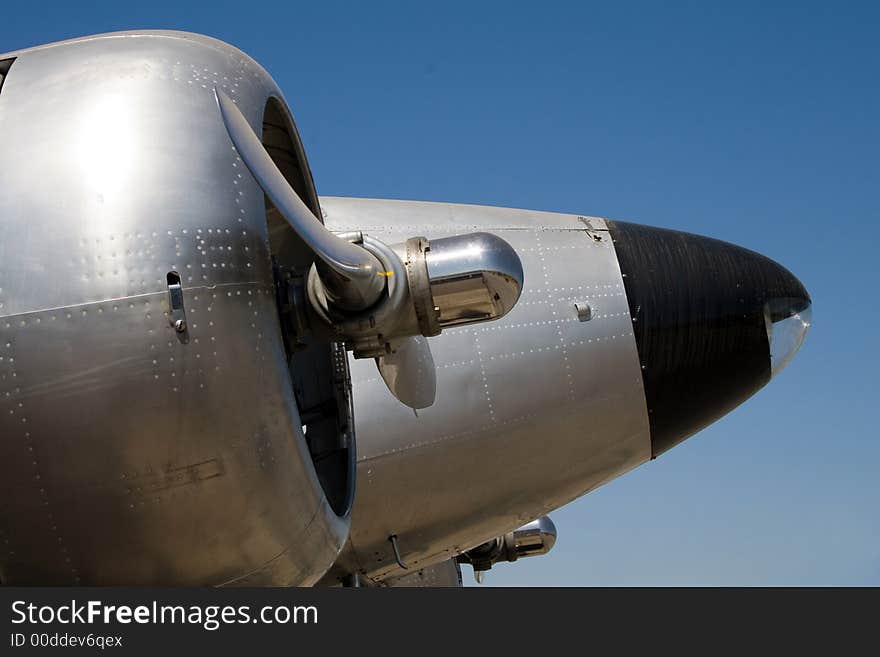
(532, 539)
(473, 277)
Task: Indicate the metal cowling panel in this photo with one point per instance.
(130, 456)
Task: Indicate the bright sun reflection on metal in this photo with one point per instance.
(106, 149)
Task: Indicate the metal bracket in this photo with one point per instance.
(292, 305)
(591, 230)
(420, 286)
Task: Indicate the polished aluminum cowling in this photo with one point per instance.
(131, 451)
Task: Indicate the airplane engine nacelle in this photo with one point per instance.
(151, 420)
(626, 341)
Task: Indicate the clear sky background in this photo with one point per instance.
(756, 123)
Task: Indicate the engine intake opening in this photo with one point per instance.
(5, 65)
(318, 370)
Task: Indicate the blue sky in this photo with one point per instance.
(751, 122)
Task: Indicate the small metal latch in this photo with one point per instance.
(584, 312)
(177, 316)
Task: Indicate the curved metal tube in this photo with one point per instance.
(384, 314)
(358, 282)
(396, 548)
